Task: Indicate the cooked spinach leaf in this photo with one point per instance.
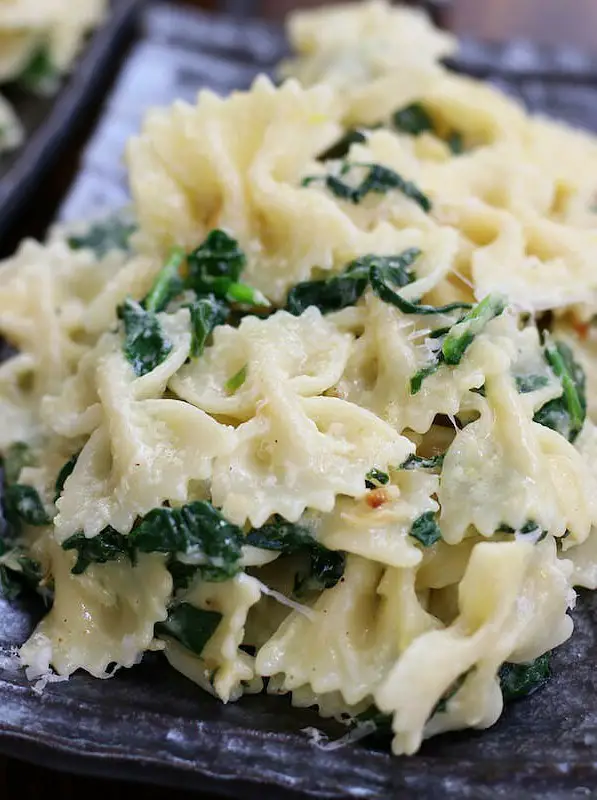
(17, 456)
(341, 291)
(145, 343)
(530, 383)
(426, 530)
(521, 680)
(206, 314)
(565, 414)
(40, 75)
(192, 627)
(455, 142)
(340, 148)
(345, 289)
(413, 119)
(385, 277)
(461, 335)
(378, 179)
(18, 572)
(417, 379)
(215, 267)
(529, 527)
(64, 473)
(418, 462)
(10, 585)
(196, 530)
(335, 293)
(168, 283)
(112, 233)
(326, 566)
(375, 478)
(182, 574)
(219, 256)
(234, 383)
(109, 545)
(22, 504)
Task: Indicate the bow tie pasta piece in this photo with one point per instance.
(57, 27)
(381, 532)
(76, 409)
(300, 453)
(354, 637)
(146, 450)
(396, 346)
(551, 265)
(222, 668)
(377, 56)
(506, 472)
(156, 450)
(512, 607)
(191, 172)
(104, 617)
(306, 354)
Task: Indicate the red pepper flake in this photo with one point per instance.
(377, 497)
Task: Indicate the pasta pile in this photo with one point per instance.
(321, 420)
(38, 43)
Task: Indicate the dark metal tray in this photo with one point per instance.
(51, 123)
(150, 723)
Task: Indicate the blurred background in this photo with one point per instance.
(550, 21)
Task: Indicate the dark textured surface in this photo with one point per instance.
(51, 122)
(152, 724)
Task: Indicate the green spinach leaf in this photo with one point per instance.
(109, 545)
(521, 680)
(112, 233)
(378, 179)
(413, 119)
(40, 75)
(206, 314)
(341, 291)
(426, 530)
(22, 504)
(376, 478)
(326, 566)
(234, 383)
(65, 473)
(195, 530)
(418, 462)
(340, 148)
(215, 268)
(565, 414)
(461, 335)
(192, 627)
(17, 456)
(168, 283)
(145, 343)
(526, 384)
(333, 294)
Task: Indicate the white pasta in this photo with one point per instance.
(47, 35)
(310, 430)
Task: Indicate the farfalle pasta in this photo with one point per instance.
(319, 420)
(38, 44)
